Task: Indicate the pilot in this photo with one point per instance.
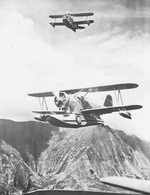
(85, 103)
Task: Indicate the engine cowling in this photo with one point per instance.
(62, 100)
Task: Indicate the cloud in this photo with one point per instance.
(26, 60)
(113, 54)
(33, 60)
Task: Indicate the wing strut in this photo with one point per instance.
(43, 103)
(123, 111)
(119, 97)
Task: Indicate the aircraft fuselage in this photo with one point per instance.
(73, 117)
(69, 22)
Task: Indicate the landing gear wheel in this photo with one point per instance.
(78, 119)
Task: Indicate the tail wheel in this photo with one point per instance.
(78, 119)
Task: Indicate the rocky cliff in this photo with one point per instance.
(78, 158)
(29, 138)
(15, 174)
(69, 158)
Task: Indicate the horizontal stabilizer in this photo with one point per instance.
(107, 110)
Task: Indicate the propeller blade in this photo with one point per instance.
(56, 93)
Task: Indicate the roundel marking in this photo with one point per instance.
(78, 119)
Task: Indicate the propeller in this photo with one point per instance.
(56, 93)
(60, 99)
(67, 12)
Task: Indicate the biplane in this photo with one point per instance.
(69, 22)
(75, 110)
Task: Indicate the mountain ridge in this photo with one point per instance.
(81, 157)
(29, 138)
(76, 158)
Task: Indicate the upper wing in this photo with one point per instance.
(107, 110)
(84, 22)
(128, 183)
(89, 89)
(57, 16)
(103, 88)
(44, 94)
(75, 15)
(82, 14)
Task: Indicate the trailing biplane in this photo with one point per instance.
(75, 110)
(68, 21)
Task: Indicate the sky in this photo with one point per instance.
(35, 57)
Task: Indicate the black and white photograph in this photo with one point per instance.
(74, 97)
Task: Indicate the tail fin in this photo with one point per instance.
(108, 101)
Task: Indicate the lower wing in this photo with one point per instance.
(84, 22)
(107, 110)
(49, 112)
(57, 24)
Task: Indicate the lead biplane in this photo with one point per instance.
(75, 110)
(69, 22)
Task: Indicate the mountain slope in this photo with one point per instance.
(71, 158)
(29, 138)
(78, 158)
(15, 175)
